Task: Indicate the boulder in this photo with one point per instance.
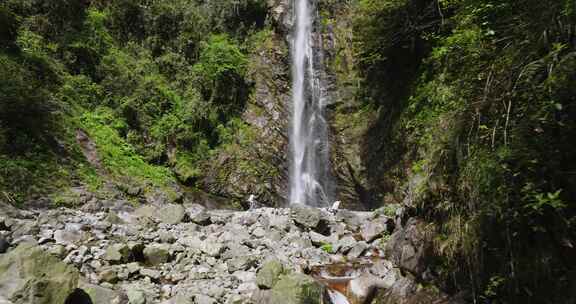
(135, 295)
(297, 288)
(203, 299)
(357, 250)
(243, 262)
(406, 291)
(409, 248)
(99, 294)
(345, 244)
(146, 213)
(350, 218)
(24, 228)
(201, 218)
(172, 214)
(373, 229)
(244, 276)
(113, 218)
(157, 254)
(166, 236)
(152, 274)
(212, 247)
(108, 275)
(307, 217)
(179, 299)
(66, 237)
(268, 274)
(117, 253)
(28, 275)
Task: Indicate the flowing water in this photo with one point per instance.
(310, 180)
(337, 298)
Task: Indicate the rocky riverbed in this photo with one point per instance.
(116, 253)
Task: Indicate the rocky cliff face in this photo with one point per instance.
(261, 162)
(257, 163)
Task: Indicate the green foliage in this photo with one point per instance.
(494, 287)
(9, 24)
(118, 157)
(220, 73)
(328, 248)
(25, 105)
(220, 58)
(538, 203)
(157, 85)
(80, 90)
(487, 110)
(389, 210)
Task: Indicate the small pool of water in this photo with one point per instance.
(337, 277)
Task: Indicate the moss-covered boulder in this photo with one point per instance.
(28, 275)
(269, 274)
(297, 288)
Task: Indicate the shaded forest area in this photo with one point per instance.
(158, 86)
(475, 103)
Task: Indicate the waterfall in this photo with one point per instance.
(310, 178)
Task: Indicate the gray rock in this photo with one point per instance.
(236, 299)
(244, 262)
(66, 237)
(346, 243)
(22, 228)
(409, 248)
(307, 217)
(58, 251)
(357, 251)
(179, 299)
(28, 267)
(172, 214)
(135, 296)
(113, 218)
(99, 294)
(203, 299)
(268, 274)
(133, 268)
(153, 274)
(212, 247)
(201, 218)
(166, 236)
(280, 222)
(160, 198)
(349, 218)
(373, 229)
(244, 276)
(157, 254)
(108, 275)
(133, 190)
(146, 213)
(117, 253)
(318, 239)
(297, 288)
(407, 291)
(261, 297)
(259, 232)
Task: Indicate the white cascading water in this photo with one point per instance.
(337, 298)
(310, 179)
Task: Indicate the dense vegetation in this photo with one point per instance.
(157, 85)
(476, 110)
